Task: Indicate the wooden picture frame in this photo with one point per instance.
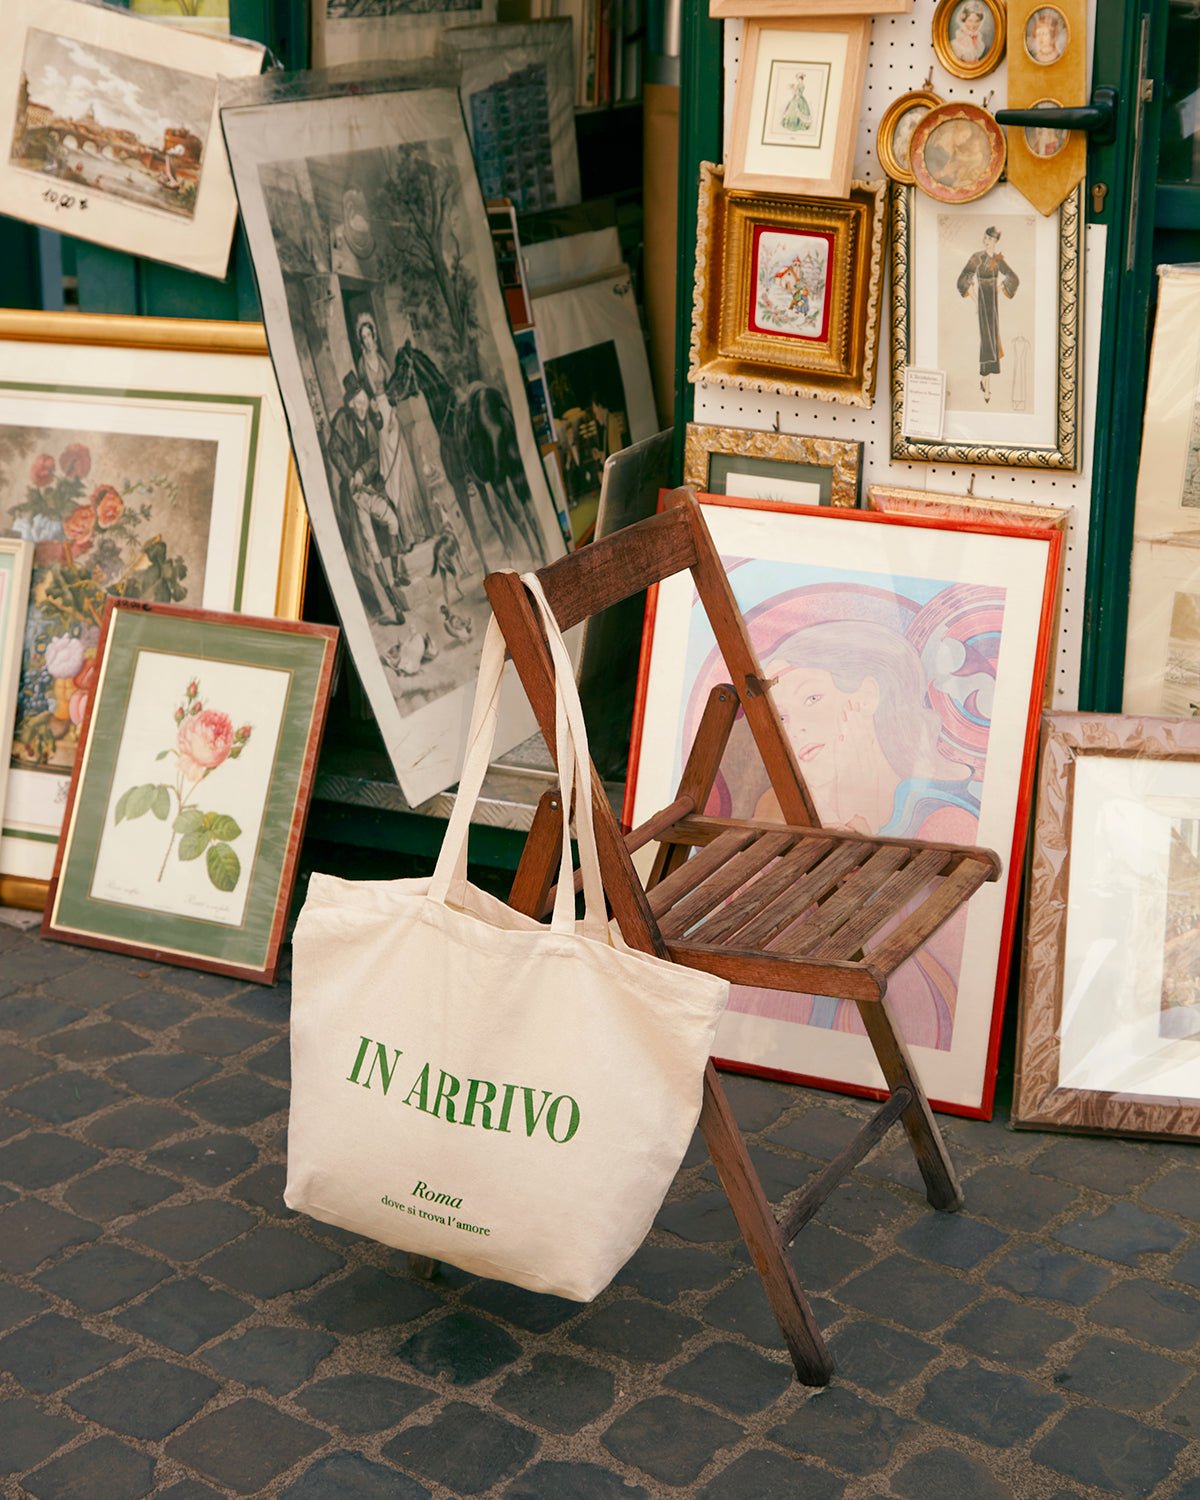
(723, 9)
(937, 249)
(957, 153)
(153, 452)
(788, 291)
(840, 590)
(1106, 1041)
(969, 36)
(796, 105)
(150, 864)
(783, 466)
(894, 136)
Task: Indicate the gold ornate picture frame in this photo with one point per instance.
(969, 36)
(770, 466)
(788, 291)
(895, 132)
(957, 153)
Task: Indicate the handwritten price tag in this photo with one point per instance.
(63, 200)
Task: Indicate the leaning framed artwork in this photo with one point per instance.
(990, 293)
(190, 794)
(906, 658)
(1110, 1005)
(356, 31)
(788, 291)
(142, 457)
(16, 560)
(778, 466)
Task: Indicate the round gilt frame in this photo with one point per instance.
(990, 60)
(884, 136)
(943, 114)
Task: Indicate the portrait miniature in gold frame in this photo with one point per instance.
(957, 153)
(969, 36)
(893, 139)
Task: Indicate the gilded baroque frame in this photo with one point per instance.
(885, 136)
(951, 60)
(840, 460)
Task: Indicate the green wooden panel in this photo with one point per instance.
(19, 257)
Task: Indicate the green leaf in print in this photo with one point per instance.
(190, 820)
(193, 845)
(161, 806)
(141, 800)
(222, 826)
(224, 867)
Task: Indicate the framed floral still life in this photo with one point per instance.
(969, 36)
(991, 294)
(144, 458)
(772, 466)
(788, 291)
(190, 794)
(796, 105)
(16, 559)
(906, 658)
(1110, 1005)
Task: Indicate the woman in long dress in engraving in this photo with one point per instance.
(395, 461)
(796, 112)
(985, 276)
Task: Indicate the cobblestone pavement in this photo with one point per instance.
(169, 1328)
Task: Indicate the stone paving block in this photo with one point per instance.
(703, 1219)
(824, 1257)
(862, 1208)
(212, 986)
(994, 1406)
(278, 1359)
(757, 1102)
(819, 1132)
(896, 1163)
(763, 1475)
(185, 1314)
(275, 1062)
(1115, 1373)
(536, 1312)
(92, 1043)
(1108, 1450)
(1122, 1233)
(460, 1348)
(117, 1191)
(138, 1126)
(11, 1124)
(64, 1096)
(905, 1291)
(1182, 1413)
(211, 1160)
(1009, 1332)
(733, 1377)
(1187, 1268)
(34, 963)
(779, 1174)
(29, 1435)
(1176, 1193)
(245, 1445)
(54, 1352)
(349, 1476)
(1151, 1313)
(670, 1439)
(743, 1308)
(148, 1398)
(365, 1300)
(1015, 1200)
(264, 1188)
(942, 1474)
(221, 1036)
(188, 1489)
(557, 1393)
(235, 1101)
(31, 1231)
(1189, 1491)
(267, 1262)
(21, 1065)
(556, 1480)
(43, 1158)
(190, 1230)
(1116, 1167)
(464, 1449)
(662, 1272)
(362, 1403)
(951, 1240)
(154, 1010)
(105, 983)
(17, 1305)
(103, 1276)
(879, 1358)
(1036, 1271)
(34, 1015)
(844, 1430)
(101, 1467)
(162, 1075)
(634, 1330)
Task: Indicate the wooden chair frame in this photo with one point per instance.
(692, 909)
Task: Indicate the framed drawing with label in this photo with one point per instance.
(990, 293)
(772, 466)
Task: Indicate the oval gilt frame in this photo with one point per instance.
(972, 167)
(945, 29)
(885, 136)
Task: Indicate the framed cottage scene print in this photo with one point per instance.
(906, 658)
(775, 466)
(190, 794)
(990, 293)
(146, 458)
(109, 130)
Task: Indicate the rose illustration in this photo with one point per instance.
(41, 471)
(75, 461)
(108, 505)
(204, 742)
(80, 527)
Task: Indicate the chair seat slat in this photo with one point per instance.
(773, 881)
(929, 916)
(858, 887)
(701, 865)
(712, 895)
(848, 940)
(792, 903)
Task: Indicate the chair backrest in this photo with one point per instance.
(603, 574)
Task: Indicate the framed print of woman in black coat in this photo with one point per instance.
(984, 277)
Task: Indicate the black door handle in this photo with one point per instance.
(1099, 118)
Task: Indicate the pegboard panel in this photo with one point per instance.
(901, 58)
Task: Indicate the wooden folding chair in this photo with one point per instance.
(790, 906)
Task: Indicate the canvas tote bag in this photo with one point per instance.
(473, 1086)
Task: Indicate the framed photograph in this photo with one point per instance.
(957, 153)
(788, 291)
(1110, 1002)
(796, 105)
(188, 800)
(894, 136)
(403, 390)
(146, 458)
(969, 36)
(991, 294)
(351, 31)
(109, 130)
(773, 466)
(909, 656)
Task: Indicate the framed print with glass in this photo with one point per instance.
(190, 794)
(796, 105)
(895, 133)
(1168, 483)
(957, 153)
(788, 291)
(1162, 638)
(1110, 1003)
(906, 657)
(773, 466)
(969, 36)
(990, 293)
(146, 458)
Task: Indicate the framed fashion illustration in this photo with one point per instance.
(969, 36)
(772, 466)
(990, 293)
(906, 658)
(1110, 1005)
(894, 136)
(146, 458)
(788, 291)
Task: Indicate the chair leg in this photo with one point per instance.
(941, 1184)
(760, 1231)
